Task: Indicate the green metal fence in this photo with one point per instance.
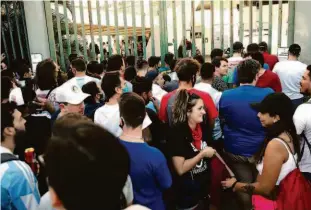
(14, 38)
(97, 29)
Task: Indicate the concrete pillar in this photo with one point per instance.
(303, 29)
(36, 28)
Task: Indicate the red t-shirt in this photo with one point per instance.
(208, 102)
(269, 59)
(271, 80)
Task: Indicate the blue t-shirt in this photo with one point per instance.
(235, 73)
(149, 173)
(243, 132)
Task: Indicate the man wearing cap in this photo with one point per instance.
(302, 120)
(290, 73)
(271, 60)
(71, 99)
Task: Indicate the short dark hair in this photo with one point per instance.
(295, 50)
(263, 46)
(199, 58)
(247, 71)
(132, 109)
(130, 60)
(109, 83)
(7, 118)
(186, 69)
(153, 60)
(258, 57)
(46, 74)
(173, 64)
(141, 85)
(207, 71)
(115, 62)
(216, 53)
(6, 86)
(72, 57)
(79, 64)
(168, 58)
(141, 63)
(92, 89)
(130, 73)
(217, 61)
(78, 179)
(309, 68)
(252, 48)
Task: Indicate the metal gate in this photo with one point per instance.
(145, 28)
(14, 38)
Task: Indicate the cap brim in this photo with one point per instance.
(79, 98)
(256, 106)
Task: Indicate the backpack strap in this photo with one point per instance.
(6, 157)
(303, 136)
(50, 91)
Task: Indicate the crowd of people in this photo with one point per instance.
(186, 134)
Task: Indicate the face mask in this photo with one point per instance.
(125, 89)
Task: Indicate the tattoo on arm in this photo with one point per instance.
(248, 188)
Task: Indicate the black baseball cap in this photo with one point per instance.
(275, 104)
(238, 46)
(153, 60)
(263, 46)
(295, 49)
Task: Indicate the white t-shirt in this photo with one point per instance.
(234, 61)
(158, 92)
(290, 74)
(16, 96)
(302, 120)
(207, 88)
(80, 81)
(108, 116)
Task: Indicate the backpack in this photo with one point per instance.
(305, 140)
(6, 157)
(294, 191)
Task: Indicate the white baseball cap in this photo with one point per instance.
(71, 94)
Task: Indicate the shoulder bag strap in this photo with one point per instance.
(291, 152)
(50, 91)
(306, 141)
(6, 157)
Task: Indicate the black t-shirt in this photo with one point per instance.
(192, 186)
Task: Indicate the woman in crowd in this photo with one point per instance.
(276, 115)
(188, 146)
(94, 101)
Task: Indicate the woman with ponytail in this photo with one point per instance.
(188, 146)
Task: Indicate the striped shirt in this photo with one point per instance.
(19, 186)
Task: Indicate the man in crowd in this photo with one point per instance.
(78, 151)
(130, 61)
(290, 73)
(153, 63)
(216, 53)
(221, 70)
(187, 70)
(78, 68)
(266, 79)
(150, 175)
(302, 120)
(270, 59)
(243, 132)
(19, 186)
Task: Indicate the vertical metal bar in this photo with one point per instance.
(250, 21)
(193, 29)
(183, 27)
(25, 29)
(125, 29)
(143, 33)
(202, 29)
(60, 41)
(5, 46)
(162, 35)
(212, 25)
(18, 31)
(10, 29)
(280, 24)
(49, 23)
(221, 24)
(67, 29)
(134, 27)
(241, 29)
(270, 26)
(89, 9)
(75, 26)
(291, 23)
(108, 27)
(152, 28)
(83, 30)
(260, 21)
(116, 22)
(231, 27)
(165, 27)
(175, 29)
(100, 30)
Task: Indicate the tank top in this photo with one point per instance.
(287, 167)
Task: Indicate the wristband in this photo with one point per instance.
(232, 187)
